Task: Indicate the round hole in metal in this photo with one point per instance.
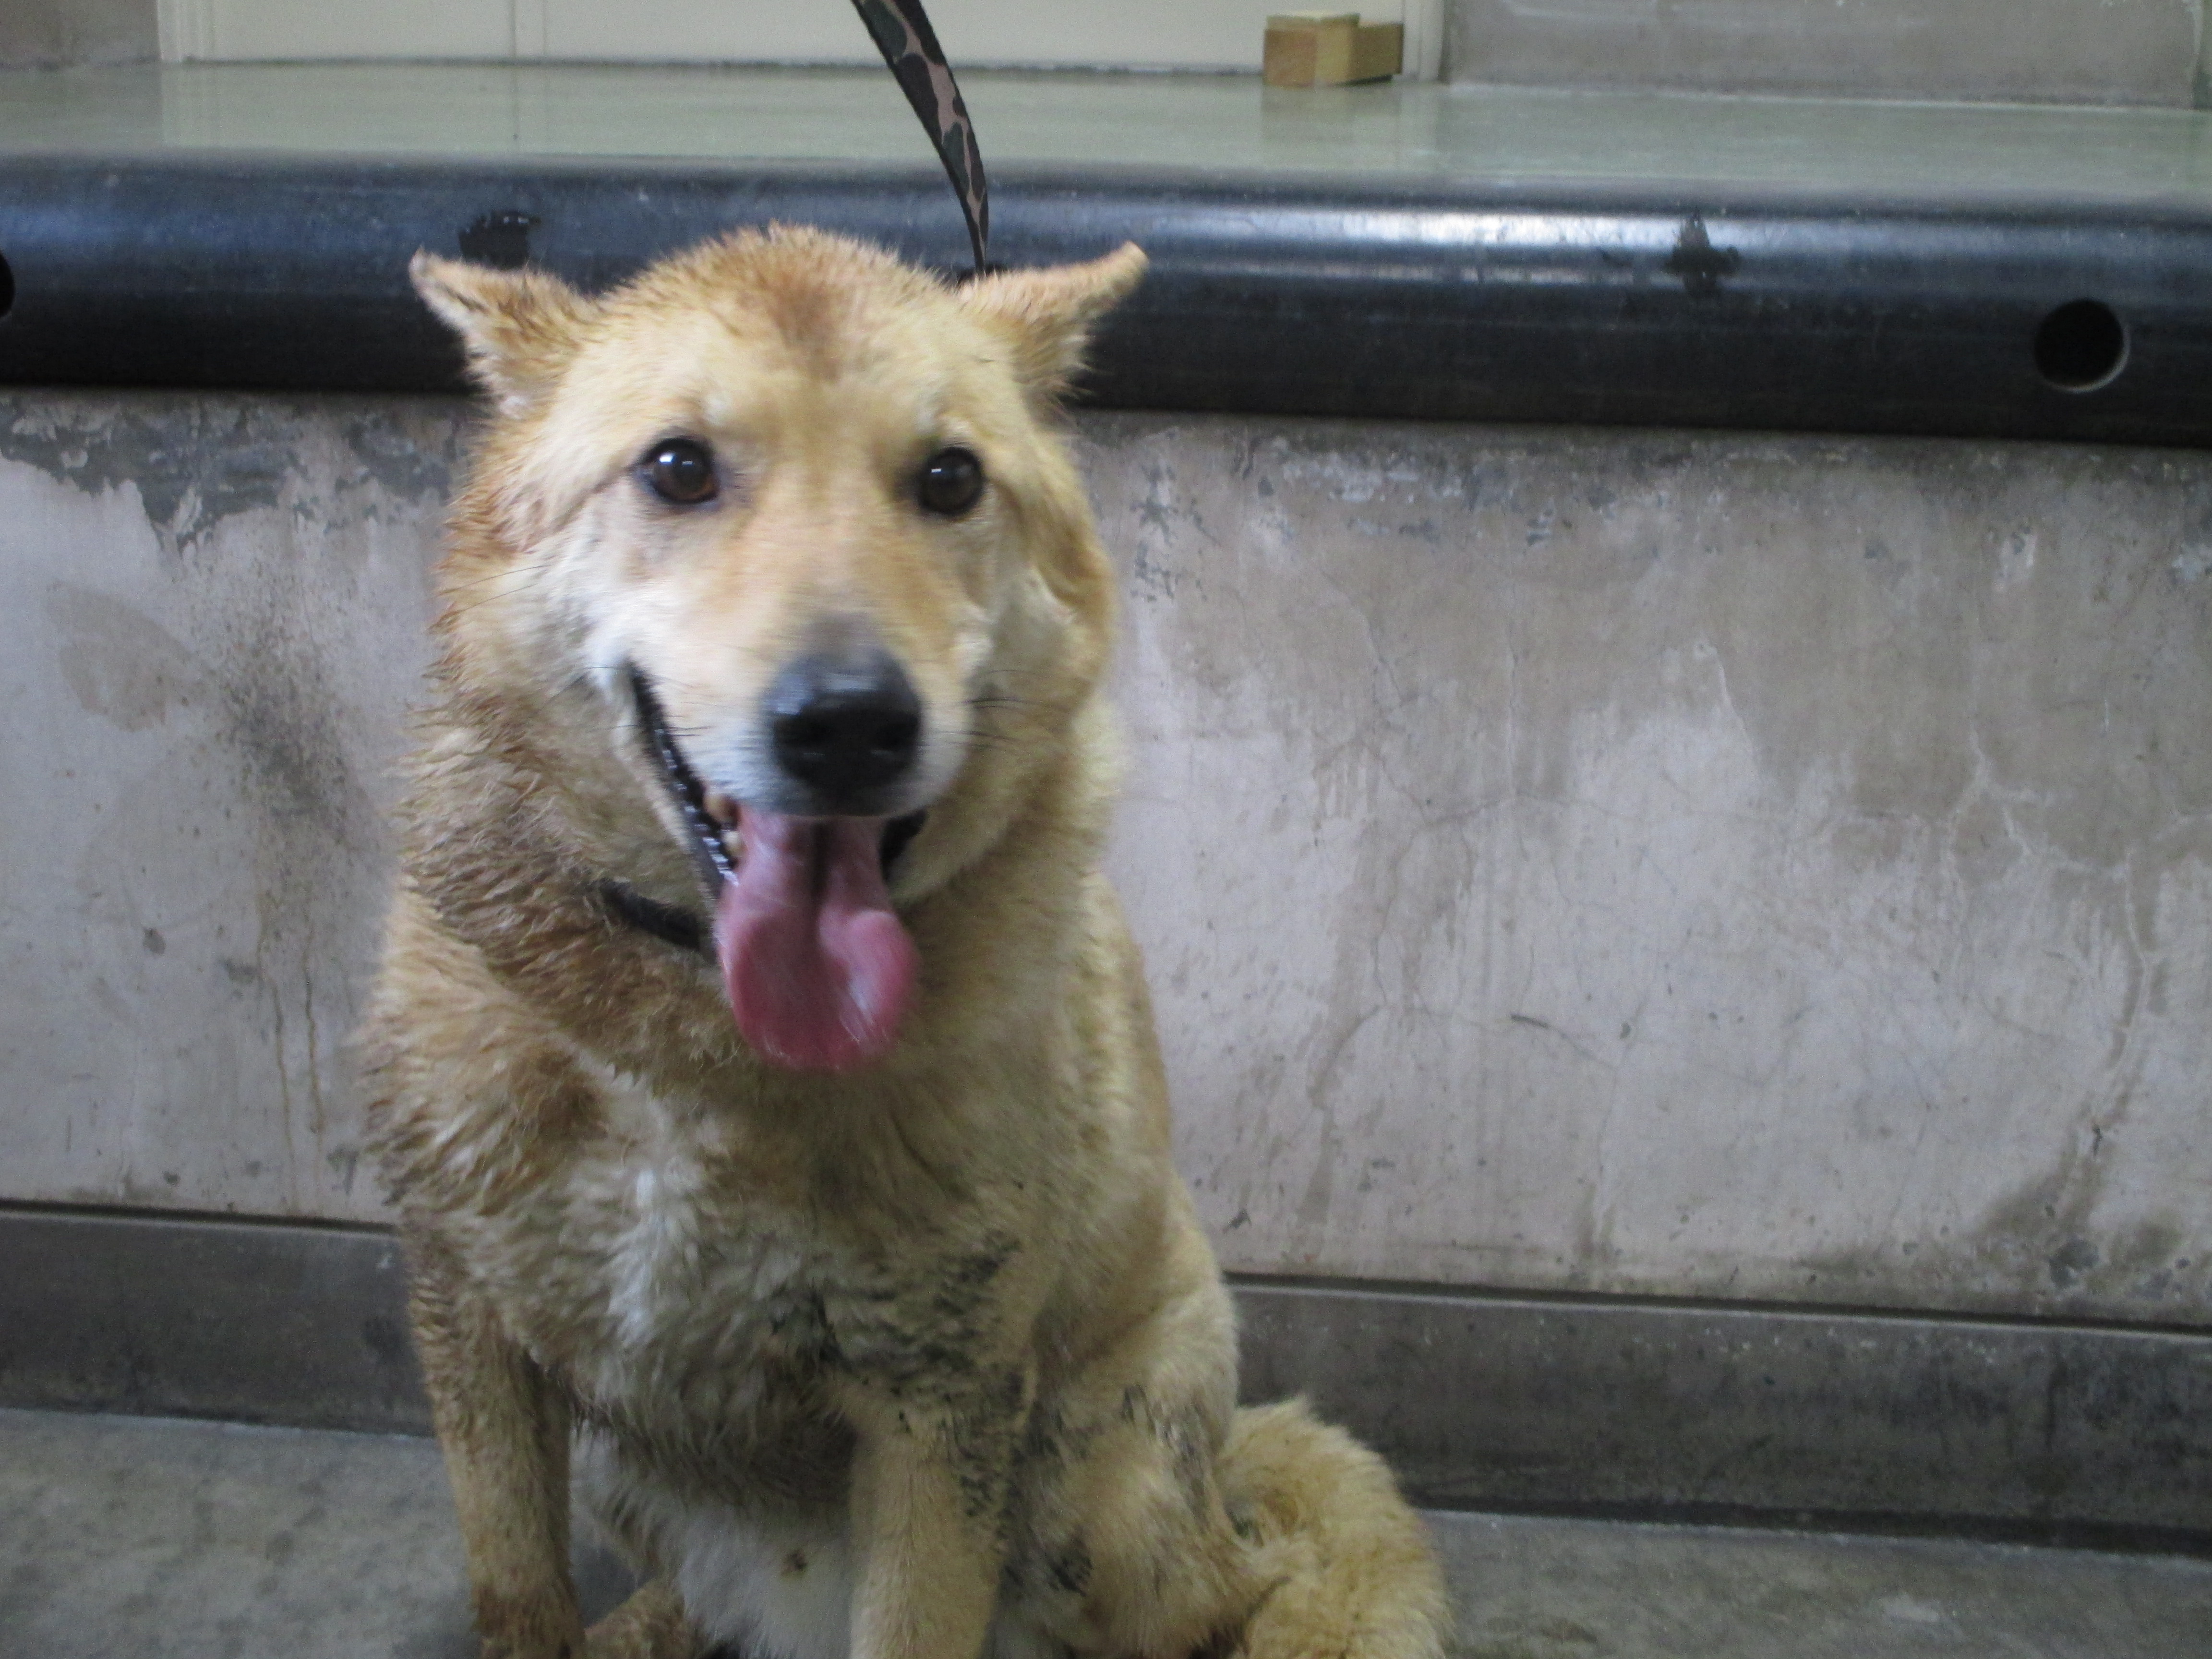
(2081, 346)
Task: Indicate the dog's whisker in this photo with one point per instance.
(509, 573)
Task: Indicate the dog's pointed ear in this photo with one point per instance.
(1048, 313)
(520, 326)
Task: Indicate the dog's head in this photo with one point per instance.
(783, 529)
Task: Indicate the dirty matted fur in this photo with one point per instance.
(922, 1357)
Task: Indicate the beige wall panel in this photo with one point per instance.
(1186, 34)
(2090, 51)
(1156, 34)
(1650, 863)
(282, 29)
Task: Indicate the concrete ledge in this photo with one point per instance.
(2039, 1432)
(2055, 1433)
(255, 1321)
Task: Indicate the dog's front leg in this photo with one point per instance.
(504, 1430)
(930, 1482)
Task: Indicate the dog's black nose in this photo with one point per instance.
(845, 728)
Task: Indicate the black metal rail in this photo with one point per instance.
(1271, 295)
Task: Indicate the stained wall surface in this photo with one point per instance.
(211, 618)
(1742, 866)
(2084, 51)
(57, 33)
(1687, 865)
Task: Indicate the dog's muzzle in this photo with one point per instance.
(858, 733)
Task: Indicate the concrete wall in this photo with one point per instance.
(1693, 865)
(211, 615)
(2092, 51)
(2095, 52)
(50, 34)
(2088, 51)
(1767, 868)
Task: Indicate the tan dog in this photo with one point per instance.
(762, 1067)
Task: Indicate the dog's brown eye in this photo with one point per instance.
(679, 470)
(951, 482)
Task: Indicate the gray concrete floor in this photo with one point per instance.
(184, 1539)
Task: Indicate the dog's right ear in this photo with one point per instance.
(519, 326)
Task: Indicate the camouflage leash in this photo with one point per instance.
(902, 32)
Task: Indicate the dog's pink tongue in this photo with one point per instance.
(818, 969)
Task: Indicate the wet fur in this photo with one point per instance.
(927, 1360)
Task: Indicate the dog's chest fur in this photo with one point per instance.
(659, 1282)
(690, 1285)
(687, 1302)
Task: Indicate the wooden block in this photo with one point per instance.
(1329, 49)
(1291, 57)
(1378, 52)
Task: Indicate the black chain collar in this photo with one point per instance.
(669, 923)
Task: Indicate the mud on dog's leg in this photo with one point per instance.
(650, 1625)
(504, 1430)
(930, 1484)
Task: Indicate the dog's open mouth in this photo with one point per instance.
(818, 967)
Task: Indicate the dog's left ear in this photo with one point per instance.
(1047, 313)
(519, 326)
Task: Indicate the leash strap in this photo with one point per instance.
(902, 32)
